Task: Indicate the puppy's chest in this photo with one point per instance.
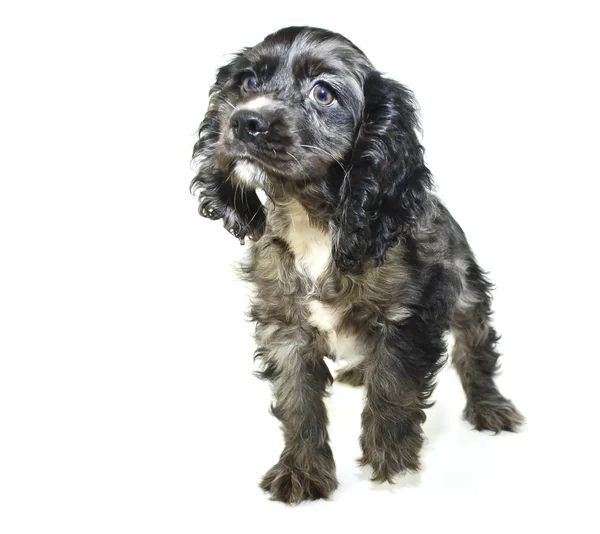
(312, 249)
(310, 245)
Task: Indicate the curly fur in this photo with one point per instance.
(352, 255)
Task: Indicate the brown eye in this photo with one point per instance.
(323, 94)
(250, 83)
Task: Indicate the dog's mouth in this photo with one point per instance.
(248, 172)
(253, 166)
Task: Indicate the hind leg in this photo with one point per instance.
(475, 358)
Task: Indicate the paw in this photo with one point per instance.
(389, 459)
(292, 485)
(353, 376)
(494, 414)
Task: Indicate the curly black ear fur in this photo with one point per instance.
(383, 193)
(240, 209)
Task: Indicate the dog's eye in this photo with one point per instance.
(249, 83)
(322, 94)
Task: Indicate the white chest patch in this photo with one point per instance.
(312, 251)
(327, 320)
(322, 316)
(311, 246)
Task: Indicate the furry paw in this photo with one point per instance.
(390, 455)
(386, 466)
(291, 485)
(353, 376)
(494, 414)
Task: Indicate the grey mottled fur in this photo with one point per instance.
(384, 264)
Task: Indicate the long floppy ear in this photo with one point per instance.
(383, 193)
(240, 209)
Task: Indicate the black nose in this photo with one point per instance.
(248, 124)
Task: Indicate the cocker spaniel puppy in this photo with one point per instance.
(352, 256)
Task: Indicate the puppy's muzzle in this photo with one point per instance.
(249, 125)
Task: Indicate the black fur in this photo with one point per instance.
(383, 194)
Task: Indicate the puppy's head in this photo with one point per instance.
(305, 115)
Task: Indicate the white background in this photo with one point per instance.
(127, 402)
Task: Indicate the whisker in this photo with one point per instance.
(299, 164)
(234, 197)
(227, 102)
(326, 153)
(225, 181)
(292, 156)
(251, 219)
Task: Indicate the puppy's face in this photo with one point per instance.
(305, 115)
(289, 108)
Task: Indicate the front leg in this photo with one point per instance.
(399, 382)
(293, 362)
(400, 367)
